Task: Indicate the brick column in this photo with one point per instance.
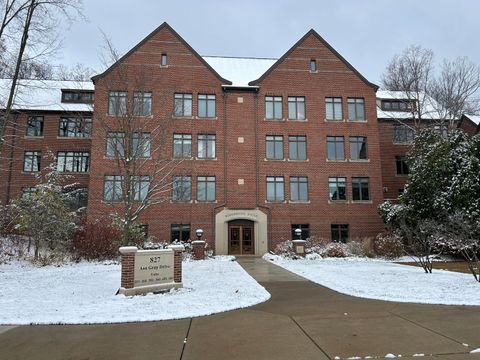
(128, 266)
(177, 262)
(198, 249)
(299, 247)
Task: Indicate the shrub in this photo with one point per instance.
(388, 246)
(336, 250)
(285, 249)
(361, 247)
(96, 241)
(316, 245)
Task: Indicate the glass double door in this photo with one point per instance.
(241, 239)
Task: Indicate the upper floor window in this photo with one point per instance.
(164, 60)
(141, 145)
(402, 165)
(296, 107)
(273, 108)
(77, 198)
(274, 147)
(182, 188)
(360, 189)
(31, 161)
(78, 96)
(142, 103)
(333, 108)
(117, 103)
(75, 127)
(335, 148)
(206, 188)
(206, 146)
(73, 161)
(298, 188)
(112, 188)
(28, 192)
(35, 126)
(356, 109)
(140, 186)
(206, 106)
(116, 144)
(337, 188)
(183, 105)
(275, 188)
(313, 65)
(358, 148)
(398, 105)
(297, 147)
(182, 146)
(339, 232)
(403, 134)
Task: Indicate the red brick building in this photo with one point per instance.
(264, 146)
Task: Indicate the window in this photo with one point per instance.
(142, 103)
(71, 96)
(400, 192)
(31, 161)
(182, 188)
(441, 130)
(143, 229)
(75, 127)
(360, 189)
(335, 148)
(206, 188)
(117, 103)
(140, 186)
(206, 146)
(182, 146)
(164, 60)
(398, 105)
(337, 188)
(180, 232)
(333, 108)
(77, 198)
(274, 147)
(112, 188)
(275, 188)
(358, 148)
(206, 106)
(339, 232)
(403, 134)
(298, 188)
(313, 65)
(296, 108)
(273, 108)
(73, 161)
(402, 165)
(28, 192)
(183, 105)
(297, 147)
(305, 231)
(356, 109)
(116, 144)
(35, 126)
(141, 145)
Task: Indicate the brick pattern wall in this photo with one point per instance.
(177, 266)
(128, 268)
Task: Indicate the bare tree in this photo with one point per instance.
(136, 143)
(78, 72)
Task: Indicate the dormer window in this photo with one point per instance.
(78, 96)
(313, 65)
(164, 60)
(398, 105)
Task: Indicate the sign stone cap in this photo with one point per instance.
(299, 241)
(176, 247)
(198, 242)
(128, 249)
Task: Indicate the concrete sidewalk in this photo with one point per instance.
(301, 321)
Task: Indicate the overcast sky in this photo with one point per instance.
(366, 32)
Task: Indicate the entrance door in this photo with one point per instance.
(241, 238)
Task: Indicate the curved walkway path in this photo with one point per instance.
(302, 320)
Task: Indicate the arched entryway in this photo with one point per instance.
(241, 237)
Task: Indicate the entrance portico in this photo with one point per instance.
(241, 232)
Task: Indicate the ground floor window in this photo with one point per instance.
(339, 232)
(305, 231)
(180, 232)
(77, 198)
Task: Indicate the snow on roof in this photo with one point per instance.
(240, 71)
(474, 118)
(430, 109)
(44, 95)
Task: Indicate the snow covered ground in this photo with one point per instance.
(383, 280)
(84, 293)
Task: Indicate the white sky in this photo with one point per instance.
(366, 32)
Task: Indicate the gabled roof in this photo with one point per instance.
(328, 46)
(153, 33)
